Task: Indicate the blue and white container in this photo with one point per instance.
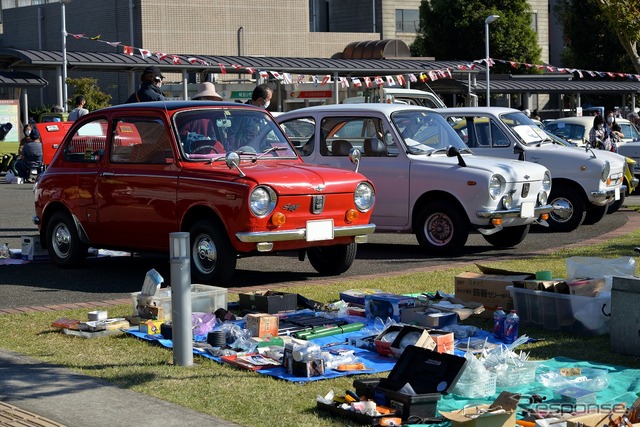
(498, 323)
(511, 327)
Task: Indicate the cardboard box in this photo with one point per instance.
(385, 305)
(483, 416)
(32, 249)
(444, 341)
(487, 289)
(150, 327)
(262, 325)
(269, 301)
(587, 287)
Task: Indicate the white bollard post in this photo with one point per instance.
(182, 328)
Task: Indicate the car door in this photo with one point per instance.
(483, 134)
(137, 187)
(386, 166)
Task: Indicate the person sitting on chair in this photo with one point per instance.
(31, 158)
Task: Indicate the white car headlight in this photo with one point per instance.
(606, 168)
(496, 186)
(262, 201)
(543, 198)
(546, 182)
(507, 200)
(364, 196)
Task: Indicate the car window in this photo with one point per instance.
(87, 144)
(209, 133)
(301, 133)
(629, 131)
(368, 134)
(140, 140)
(567, 130)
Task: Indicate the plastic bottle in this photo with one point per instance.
(511, 327)
(498, 323)
(4, 250)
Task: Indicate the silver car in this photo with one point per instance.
(427, 180)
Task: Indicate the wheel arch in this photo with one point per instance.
(198, 213)
(430, 197)
(564, 182)
(51, 210)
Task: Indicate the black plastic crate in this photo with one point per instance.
(420, 405)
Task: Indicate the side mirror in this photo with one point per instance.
(519, 151)
(454, 152)
(355, 155)
(232, 159)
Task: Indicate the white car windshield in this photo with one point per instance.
(525, 128)
(425, 132)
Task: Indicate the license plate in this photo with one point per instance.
(617, 193)
(527, 210)
(321, 229)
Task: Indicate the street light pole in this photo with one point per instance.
(489, 20)
(63, 103)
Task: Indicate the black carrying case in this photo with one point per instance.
(428, 373)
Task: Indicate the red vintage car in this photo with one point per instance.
(127, 176)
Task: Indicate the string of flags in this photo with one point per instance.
(389, 80)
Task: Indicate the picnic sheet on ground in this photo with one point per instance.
(373, 361)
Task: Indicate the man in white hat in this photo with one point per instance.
(207, 92)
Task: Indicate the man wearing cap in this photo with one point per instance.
(207, 92)
(151, 80)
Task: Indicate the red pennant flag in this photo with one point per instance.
(236, 66)
(144, 53)
(343, 82)
(390, 81)
(325, 79)
(223, 70)
(379, 81)
(192, 60)
(276, 75)
(264, 74)
(513, 64)
(175, 59)
(161, 56)
(356, 81)
(400, 79)
(128, 50)
(433, 75)
(77, 36)
(250, 70)
(367, 81)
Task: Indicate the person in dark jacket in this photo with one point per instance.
(151, 81)
(31, 157)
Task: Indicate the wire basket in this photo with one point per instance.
(479, 387)
(516, 376)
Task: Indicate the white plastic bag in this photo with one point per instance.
(594, 268)
(10, 178)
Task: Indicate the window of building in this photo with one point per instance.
(534, 21)
(407, 20)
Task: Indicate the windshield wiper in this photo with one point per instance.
(270, 150)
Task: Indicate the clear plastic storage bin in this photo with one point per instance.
(204, 299)
(482, 387)
(562, 312)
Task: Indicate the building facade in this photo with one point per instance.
(287, 28)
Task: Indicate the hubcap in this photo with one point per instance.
(562, 210)
(61, 241)
(205, 254)
(439, 229)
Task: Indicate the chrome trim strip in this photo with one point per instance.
(512, 213)
(300, 234)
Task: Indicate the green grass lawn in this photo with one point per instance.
(224, 392)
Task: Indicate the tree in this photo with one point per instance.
(88, 87)
(591, 41)
(454, 29)
(624, 18)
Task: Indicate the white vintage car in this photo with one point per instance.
(585, 181)
(427, 180)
